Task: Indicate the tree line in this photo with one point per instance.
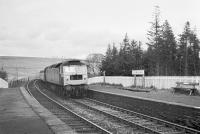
(165, 55)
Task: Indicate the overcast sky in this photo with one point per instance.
(76, 28)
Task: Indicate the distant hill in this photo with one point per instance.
(24, 66)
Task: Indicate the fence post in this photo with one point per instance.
(135, 80)
(143, 81)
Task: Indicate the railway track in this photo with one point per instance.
(152, 124)
(118, 120)
(111, 124)
(77, 123)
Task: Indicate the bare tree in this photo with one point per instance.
(94, 64)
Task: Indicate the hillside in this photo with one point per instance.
(24, 66)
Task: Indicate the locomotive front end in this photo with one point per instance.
(68, 78)
(75, 78)
(75, 75)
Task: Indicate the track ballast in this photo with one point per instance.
(77, 123)
(118, 120)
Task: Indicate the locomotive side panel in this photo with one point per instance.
(52, 75)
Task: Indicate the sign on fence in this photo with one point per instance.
(137, 72)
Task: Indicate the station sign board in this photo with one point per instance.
(137, 72)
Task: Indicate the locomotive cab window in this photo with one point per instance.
(76, 77)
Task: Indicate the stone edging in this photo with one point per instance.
(55, 124)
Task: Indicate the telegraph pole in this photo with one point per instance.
(17, 72)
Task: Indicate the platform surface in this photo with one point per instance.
(160, 95)
(17, 117)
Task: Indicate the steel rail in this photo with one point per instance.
(146, 129)
(167, 123)
(27, 89)
(82, 118)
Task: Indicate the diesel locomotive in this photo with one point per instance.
(68, 78)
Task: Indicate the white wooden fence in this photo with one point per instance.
(160, 82)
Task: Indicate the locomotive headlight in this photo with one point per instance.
(67, 78)
(84, 77)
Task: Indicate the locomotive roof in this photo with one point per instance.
(67, 63)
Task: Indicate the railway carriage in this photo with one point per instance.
(67, 78)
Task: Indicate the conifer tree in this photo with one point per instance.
(168, 50)
(107, 60)
(188, 52)
(124, 57)
(110, 63)
(154, 42)
(115, 61)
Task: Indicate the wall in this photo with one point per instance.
(159, 82)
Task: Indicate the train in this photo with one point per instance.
(68, 78)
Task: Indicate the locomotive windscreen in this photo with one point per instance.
(75, 69)
(76, 77)
(70, 69)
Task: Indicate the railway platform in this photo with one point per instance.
(164, 96)
(177, 108)
(17, 117)
(22, 114)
